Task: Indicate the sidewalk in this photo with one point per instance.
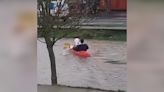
(114, 21)
(65, 89)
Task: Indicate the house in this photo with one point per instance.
(113, 5)
(100, 6)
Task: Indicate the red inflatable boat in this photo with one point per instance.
(83, 54)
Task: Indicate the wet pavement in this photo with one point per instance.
(115, 20)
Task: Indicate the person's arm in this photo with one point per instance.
(87, 46)
(76, 48)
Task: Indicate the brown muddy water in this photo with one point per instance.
(106, 68)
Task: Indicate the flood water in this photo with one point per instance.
(105, 69)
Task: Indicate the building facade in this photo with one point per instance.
(100, 6)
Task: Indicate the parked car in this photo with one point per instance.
(59, 8)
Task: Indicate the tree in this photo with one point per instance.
(54, 24)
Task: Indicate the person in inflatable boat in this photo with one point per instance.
(81, 47)
(77, 41)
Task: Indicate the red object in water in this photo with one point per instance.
(83, 54)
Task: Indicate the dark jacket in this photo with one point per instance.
(81, 47)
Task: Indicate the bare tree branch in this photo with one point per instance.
(41, 41)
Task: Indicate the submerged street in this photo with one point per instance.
(106, 68)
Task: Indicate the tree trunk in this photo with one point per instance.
(53, 64)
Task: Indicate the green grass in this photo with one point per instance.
(112, 35)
